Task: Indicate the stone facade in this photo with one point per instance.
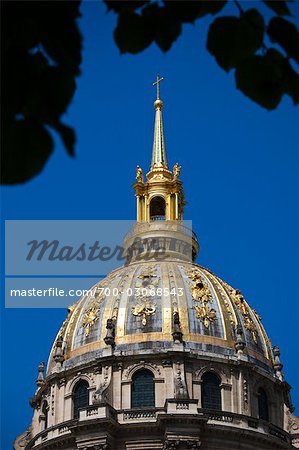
(174, 422)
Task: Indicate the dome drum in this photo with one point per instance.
(180, 389)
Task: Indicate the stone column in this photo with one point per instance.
(146, 208)
(169, 387)
(126, 394)
(226, 396)
(176, 206)
(59, 406)
(117, 400)
(138, 208)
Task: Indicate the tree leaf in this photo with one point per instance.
(123, 5)
(57, 90)
(260, 79)
(165, 26)
(221, 40)
(167, 31)
(188, 12)
(68, 137)
(283, 75)
(210, 7)
(291, 82)
(289, 78)
(62, 42)
(26, 147)
(133, 33)
(286, 35)
(231, 39)
(41, 51)
(280, 7)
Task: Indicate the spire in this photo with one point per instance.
(159, 151)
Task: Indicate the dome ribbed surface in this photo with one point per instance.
(209, 311)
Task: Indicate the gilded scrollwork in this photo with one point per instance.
(245, 311)
(144, 308)
(145, 288)
(200, 289)
(102, 284)
(205, 314)
(150, 271)
(201, 293)
(227, 303)
(63, 328)
(91, 316)
(121, 285)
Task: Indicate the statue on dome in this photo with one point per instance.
(176, 171)
(139, 174)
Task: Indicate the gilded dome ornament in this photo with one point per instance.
(90, 317)
(144, 308)
(149, 271)
(199, 289)
(201, 293)
(146, 283)
(244, 309)
(145, 288)
(205, 314)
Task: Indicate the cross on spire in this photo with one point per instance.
(157, 84)
(159, 151)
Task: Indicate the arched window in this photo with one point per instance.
(80, 397)
(263, 404)
(45, 414)
(210, 391)
(143, 389)
(157, 208)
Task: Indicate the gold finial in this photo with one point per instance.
(158, 103)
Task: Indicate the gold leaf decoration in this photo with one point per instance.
(205, 314)
(146, 284)
(91, 316)
(143, 309)
(201, 293)
(245, 311)
(199, 289)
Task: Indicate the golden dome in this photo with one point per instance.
(142, 299)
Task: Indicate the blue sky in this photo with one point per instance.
(240, 172)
